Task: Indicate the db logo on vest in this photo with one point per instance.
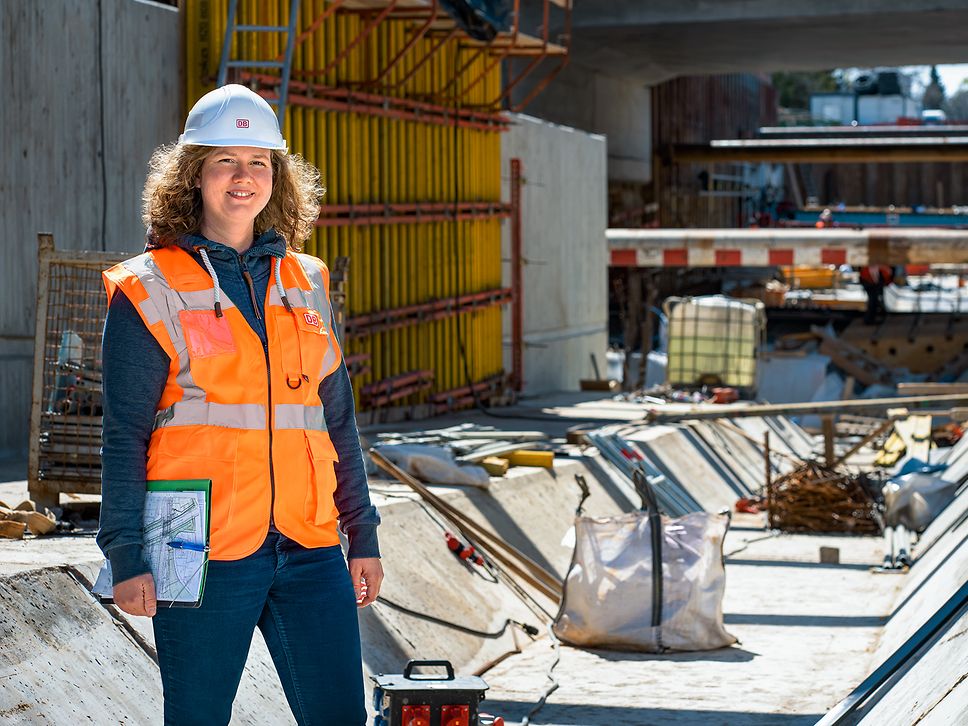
(312, 319)
(241, 123)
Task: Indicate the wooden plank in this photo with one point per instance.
(931, 388)
(852, 360)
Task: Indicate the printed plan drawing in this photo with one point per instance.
(170, 516)
(175, 516)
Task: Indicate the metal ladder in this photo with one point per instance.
(284, 66)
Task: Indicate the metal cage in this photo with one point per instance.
(65, 416)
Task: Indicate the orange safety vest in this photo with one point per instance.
(249, 420)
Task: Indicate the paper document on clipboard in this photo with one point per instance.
(176, 519)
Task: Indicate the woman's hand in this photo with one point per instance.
(367, 576)
(136, 595)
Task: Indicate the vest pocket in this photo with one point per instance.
(206, 335)
(194, 452)
(320, 508)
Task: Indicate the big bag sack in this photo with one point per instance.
(645, 582)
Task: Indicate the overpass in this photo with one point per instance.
(620, 48)
(660, 39)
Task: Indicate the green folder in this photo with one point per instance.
(176, 536)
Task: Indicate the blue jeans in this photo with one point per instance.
(302, 600)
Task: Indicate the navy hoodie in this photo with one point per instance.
(135, 369)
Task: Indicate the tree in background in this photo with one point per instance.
(795, 87)
(934, 93)
(956, 107)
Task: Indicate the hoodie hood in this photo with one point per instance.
(270, 243)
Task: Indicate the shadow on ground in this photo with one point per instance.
(567, 714)
(721, 655)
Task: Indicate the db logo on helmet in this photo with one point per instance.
(241, 123)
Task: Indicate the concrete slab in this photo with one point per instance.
(809, 631)
(685, 458)
(740, 455)
(785, 435)
(934, 689)
(806, 630)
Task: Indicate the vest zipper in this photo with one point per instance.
(272, 474)
(265, 350)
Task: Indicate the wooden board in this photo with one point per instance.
(922, 344)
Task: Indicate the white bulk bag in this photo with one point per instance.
(610, 594)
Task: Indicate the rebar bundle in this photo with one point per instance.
(815, 498)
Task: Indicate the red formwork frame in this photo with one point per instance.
(347, 215)
(517, 281)
(505, 48)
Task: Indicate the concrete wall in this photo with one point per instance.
(92, 88)
(563, 229)
(619, 108)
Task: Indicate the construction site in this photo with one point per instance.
(660, 367)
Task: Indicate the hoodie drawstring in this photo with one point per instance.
(277, 269)
(293, 381)
(211, 271)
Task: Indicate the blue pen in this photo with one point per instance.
(178, 544)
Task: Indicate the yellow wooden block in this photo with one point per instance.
(496, 466)
(524, 457)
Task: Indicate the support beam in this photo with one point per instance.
(880, 150)
(774, 247)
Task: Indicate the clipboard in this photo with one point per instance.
(176, 532)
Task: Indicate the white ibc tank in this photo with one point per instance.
(714, 339)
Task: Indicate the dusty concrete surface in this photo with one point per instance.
(806, 631)
(809, 632)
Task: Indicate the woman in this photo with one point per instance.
(221, 362)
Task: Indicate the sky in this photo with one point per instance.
(952, 76)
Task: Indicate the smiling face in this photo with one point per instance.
(236, 183)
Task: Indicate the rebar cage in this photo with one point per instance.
(65, 419)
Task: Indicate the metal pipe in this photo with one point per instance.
(797, 409)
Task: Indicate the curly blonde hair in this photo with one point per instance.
(172, 203)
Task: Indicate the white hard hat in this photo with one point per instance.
(233, 116)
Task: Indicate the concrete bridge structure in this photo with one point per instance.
(622, 47)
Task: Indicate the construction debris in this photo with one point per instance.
(496, 466)
(499, 552)
(434, 464)
(464, 454)
(628, 457)
(525, 457)
(24, 517)
(815, 498)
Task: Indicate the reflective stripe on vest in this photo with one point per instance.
(250, 416)
(296, 416)
(315, 276)
(160, 291)
(204, 413)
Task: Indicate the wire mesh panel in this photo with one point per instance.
(714, 340)
(65, 430)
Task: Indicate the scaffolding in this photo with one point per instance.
(402, 112)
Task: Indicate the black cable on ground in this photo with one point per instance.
(550, 675)
(529, 629)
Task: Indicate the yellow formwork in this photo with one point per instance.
(367, 159)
